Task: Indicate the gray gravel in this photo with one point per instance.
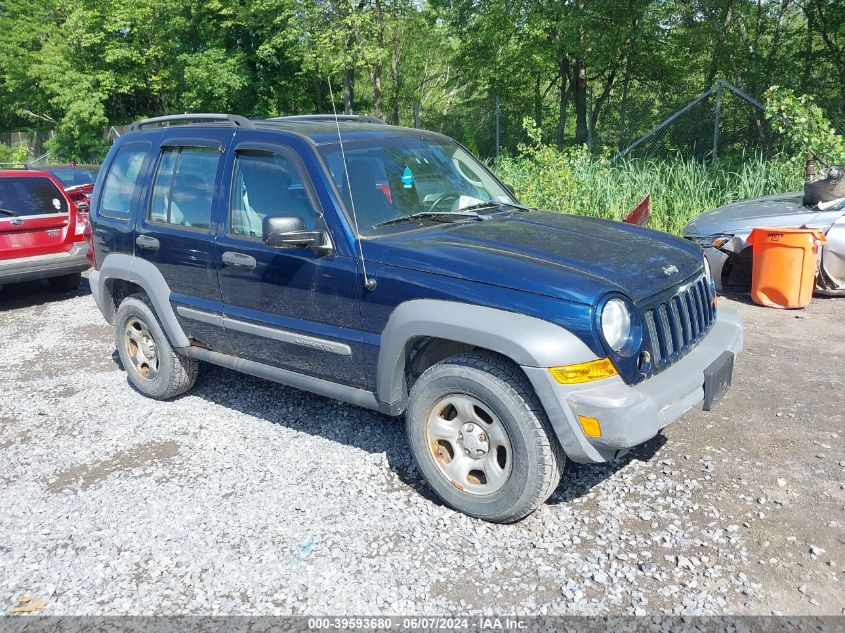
(245, 497)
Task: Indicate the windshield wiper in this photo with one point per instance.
(9, 212)
(492, 204)
(463, 213)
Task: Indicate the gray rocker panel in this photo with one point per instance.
(344, 393)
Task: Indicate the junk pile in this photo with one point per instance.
(827, 191)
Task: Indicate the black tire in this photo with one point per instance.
(65, 283)
(501, 387)
(174, 374)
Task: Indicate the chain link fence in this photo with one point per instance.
(34, 141)
(487, 125)
(722, 122)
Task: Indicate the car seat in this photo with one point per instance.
(192, 196)
(268, 194)
(371, 205)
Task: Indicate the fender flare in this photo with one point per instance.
(119, 266)
(526, 340)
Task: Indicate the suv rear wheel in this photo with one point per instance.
(481, 438)
(65, 283)
(153, 367)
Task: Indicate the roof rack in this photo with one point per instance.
(357, 118)
(15, 166)
(232, 119)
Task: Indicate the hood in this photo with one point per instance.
(739, 218)
(563, 256)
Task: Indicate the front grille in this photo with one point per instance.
(676, 323)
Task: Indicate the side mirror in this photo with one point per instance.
(510, 190)
(289, 232)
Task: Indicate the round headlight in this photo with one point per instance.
(709, 272)
(616, 323)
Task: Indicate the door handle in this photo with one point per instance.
(147, 243)
(238, 260)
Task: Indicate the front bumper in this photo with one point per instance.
(717, 257)
(631, 415)
(21, 269)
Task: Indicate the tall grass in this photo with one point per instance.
(574, 182)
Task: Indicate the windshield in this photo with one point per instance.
(397, 178)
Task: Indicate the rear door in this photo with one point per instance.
(35, 217)
(174, 230)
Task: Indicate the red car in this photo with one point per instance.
(78, 182)
(41, 231)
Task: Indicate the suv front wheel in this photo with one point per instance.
(153, 367)
(481, 438)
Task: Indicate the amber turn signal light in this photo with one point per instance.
(591, 426)
(583, 372)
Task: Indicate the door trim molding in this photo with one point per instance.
(200, 315)
(277, 334)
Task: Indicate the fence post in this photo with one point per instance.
(497, 127)
(590, 121)
(716, 121)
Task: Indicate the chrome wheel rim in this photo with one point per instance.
(141, 349)
(469, 444)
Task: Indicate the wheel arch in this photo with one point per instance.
(120, 274)
(451, 327)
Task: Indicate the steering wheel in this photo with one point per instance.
(441, 198)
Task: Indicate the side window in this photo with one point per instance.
(183, 189)
(267, 184)
(160, 204)
(119, 185)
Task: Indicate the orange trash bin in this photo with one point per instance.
(783, 272)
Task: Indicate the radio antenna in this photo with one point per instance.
(369, 282)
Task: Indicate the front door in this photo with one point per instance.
(175, 233)
(290, 308)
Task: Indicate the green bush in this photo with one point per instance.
(13, 154)
(804, 126)
(574, 182)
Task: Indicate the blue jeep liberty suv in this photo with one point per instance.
(386, 267)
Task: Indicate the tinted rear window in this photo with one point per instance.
(30, 196)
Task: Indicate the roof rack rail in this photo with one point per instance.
(232, 119)
(358, 118)
(15, 166)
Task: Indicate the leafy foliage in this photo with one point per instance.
(804, 125)
(13, 154)
(574, 182)
(607, 69)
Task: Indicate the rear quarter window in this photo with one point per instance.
(28, 196)
(121, 182)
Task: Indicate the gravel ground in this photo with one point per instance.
(245, 497)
